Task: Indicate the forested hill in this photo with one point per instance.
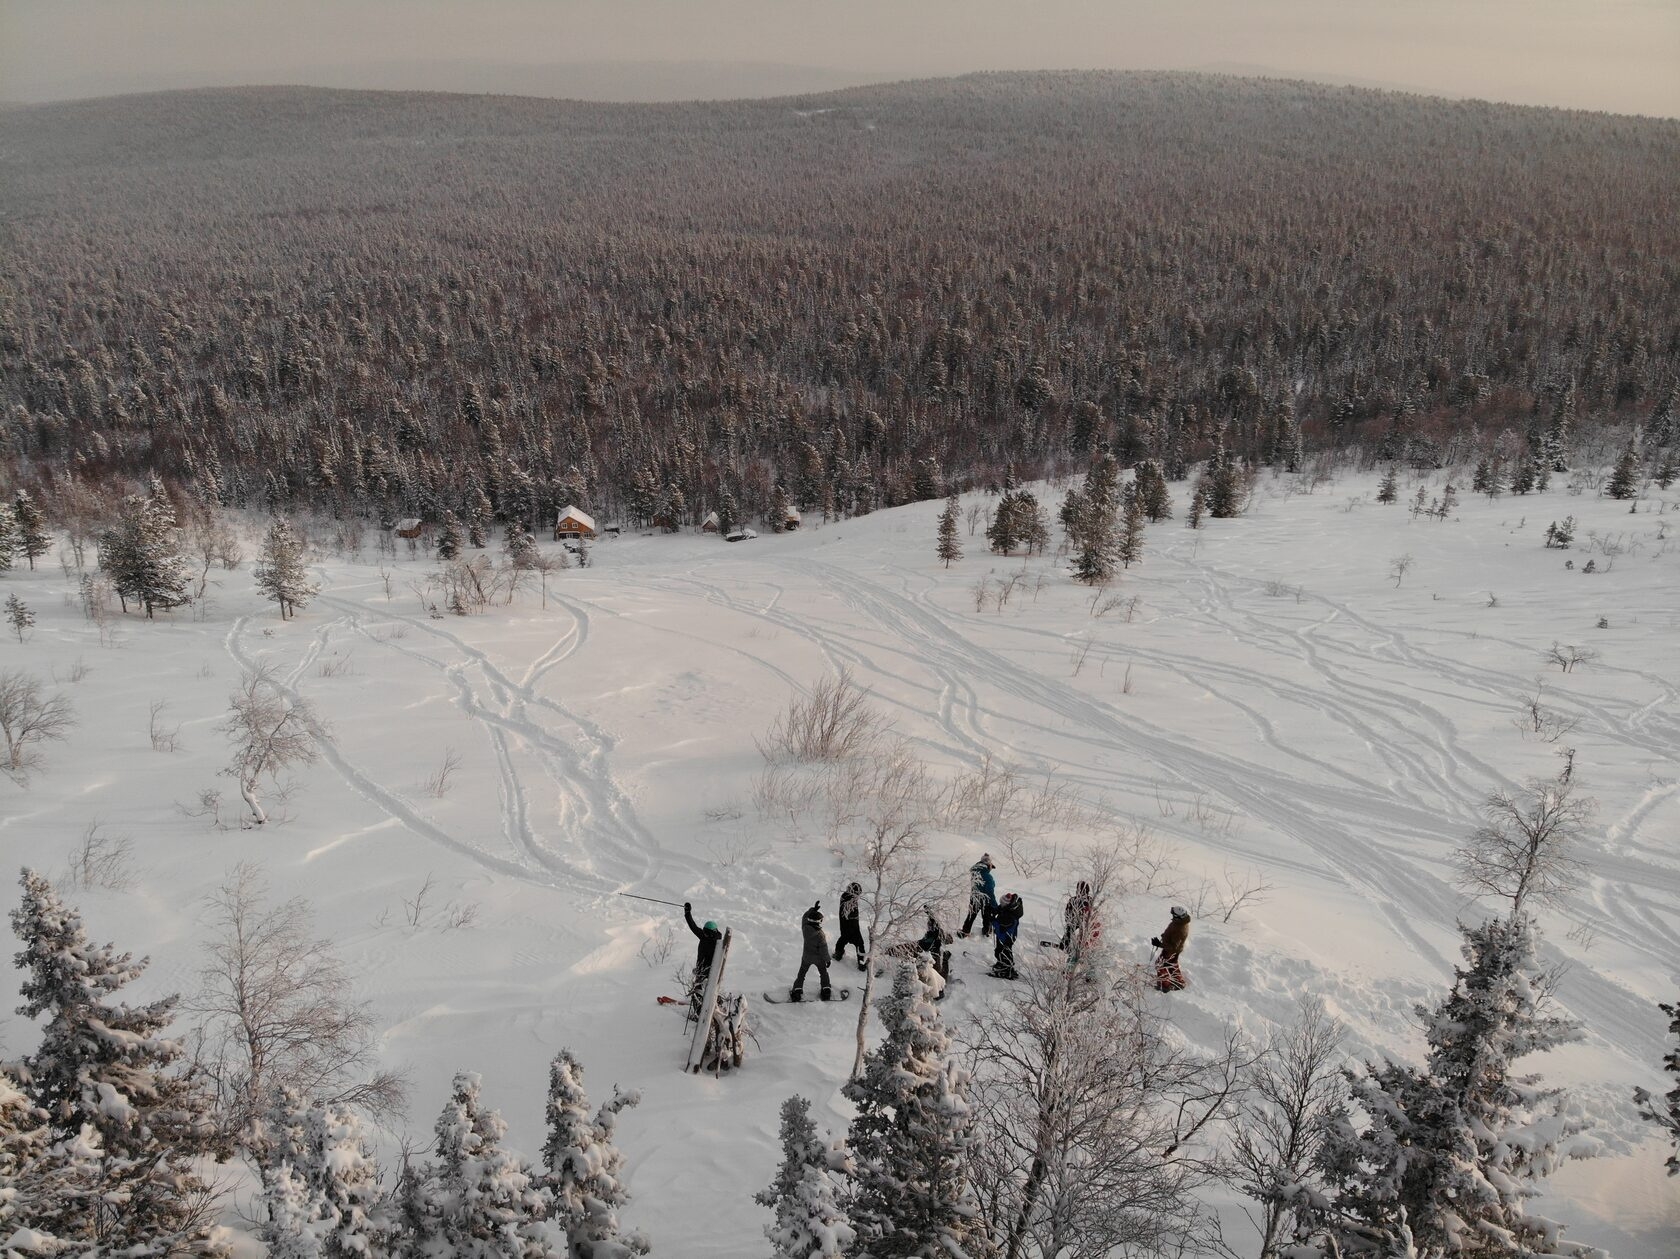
(393, 301)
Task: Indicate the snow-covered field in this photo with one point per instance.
(1273, 705)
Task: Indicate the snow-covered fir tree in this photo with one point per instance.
(910, 1137)
(521, 547)
(1524, 476)
(1004, 533)
(141, 553)
(1389, 490)
(1128, 545)
(729, 515)
(950, 546)
(1453, 1152)
(8, 535)
(33, 538)
(449, 537)
(1624, 479)
(321, 1188)
(583, 1166)
(479, 512)
(1668, 468)
(1151, 481)
(1224, 483)
(106, 1077)
(18, 616)
(49, 1187)
(1198, 504)
(1665, 1111)
(809, 1191)
(478, 1200)
(280, 571)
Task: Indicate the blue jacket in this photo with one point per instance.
(1007, 921)
(984, 885)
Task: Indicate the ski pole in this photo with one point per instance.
(654, 899)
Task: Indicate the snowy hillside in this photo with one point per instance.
(1265, 696)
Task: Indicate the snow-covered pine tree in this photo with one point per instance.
(320, 1184)
(1524, 476)
(140, 552)
(479, 512)
(107, 1068)
(1665, 1111)
(47, 1188)
(478, 1201)
(729, 515)
(1454, 1151)
(1151, 481)
(950, 547)
(1030, 521)
(808, 1192)
(583, 1165)
(1624, 480)
(1004, 531)
(18, 615)
(521, 547)
(1389, 490)
(929, 482)
(1668, 468)
(33, 538)
(1198, 504)
(280, 572)
(1128, 547)
(449, 537)
(910, 1136)
(9, 543)
(1224, 483)
(780, 506)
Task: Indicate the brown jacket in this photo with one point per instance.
(1174, 938)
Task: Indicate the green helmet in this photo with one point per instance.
(711, 926)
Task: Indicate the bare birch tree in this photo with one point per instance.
(1277, 1130)
(891, 862)
(269, 732)
(1098, 1115)
(1525, 848)
(28, 717)
(278, 1013)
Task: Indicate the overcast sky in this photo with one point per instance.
(1621, 55)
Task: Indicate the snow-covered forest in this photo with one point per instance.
(1236, 507)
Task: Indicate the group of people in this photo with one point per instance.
(999, 918)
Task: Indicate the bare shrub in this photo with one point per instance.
(164, 737)
(336, 666)
(1238, 888)
(1567, 655)
(834, 722)
(1399, 566)
(28, 718)
(277, 1012)
(736, 849)
(982, 591)
(1535, 719)
(438, 782)
(100, 860)
(207, 804)
(420, 914)
(656, 949)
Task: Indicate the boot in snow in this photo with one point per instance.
(795, 995)
(826, 993)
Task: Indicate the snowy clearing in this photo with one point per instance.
(1263, 696)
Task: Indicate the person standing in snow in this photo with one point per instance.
(709, 936)
(1076, 919)
(1006, 924)
(982, 899)
(815, 954)
(1171, 942)
(849, 931)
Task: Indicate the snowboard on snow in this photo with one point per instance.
(837, 994)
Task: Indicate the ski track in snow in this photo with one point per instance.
(1330, 820)
(1351, 752)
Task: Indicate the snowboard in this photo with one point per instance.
(837, 994)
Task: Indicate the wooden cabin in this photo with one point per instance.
(573, 522)
(793, 519)
(710, 523)
(410, 527)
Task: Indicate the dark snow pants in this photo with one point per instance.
(850, 934)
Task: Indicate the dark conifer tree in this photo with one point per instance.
(950, 547)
